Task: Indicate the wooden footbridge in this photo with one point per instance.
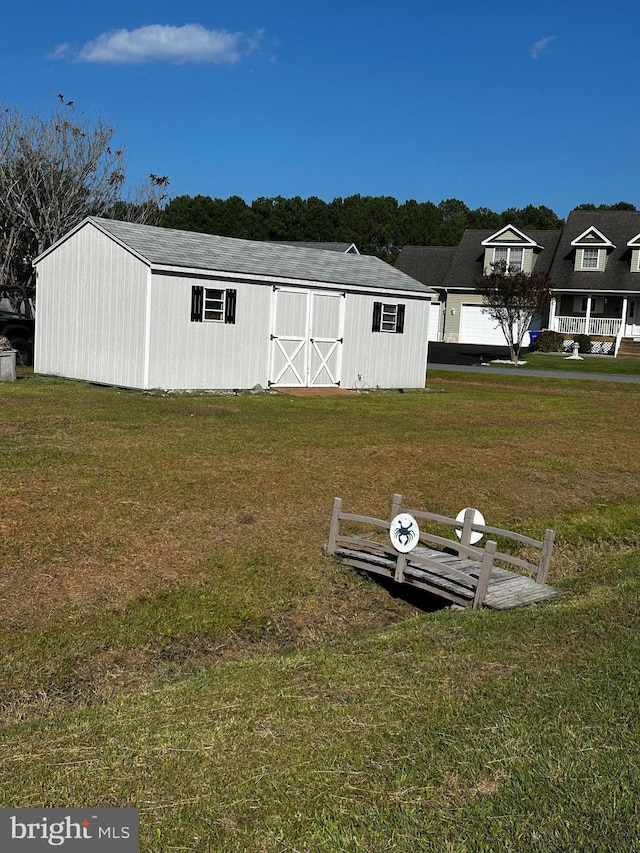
(458, 570)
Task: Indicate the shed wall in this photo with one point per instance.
(90, 317)
(382, 359)
(208, 354)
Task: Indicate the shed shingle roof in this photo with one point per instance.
(172, 248)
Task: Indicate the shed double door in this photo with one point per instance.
(306, 338)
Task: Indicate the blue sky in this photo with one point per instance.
(498, 104)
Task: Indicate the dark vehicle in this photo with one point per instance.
(17, 321)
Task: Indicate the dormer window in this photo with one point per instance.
(511, 257)
(634, 245)
(590, 259)
(511, 249)
(591, 250)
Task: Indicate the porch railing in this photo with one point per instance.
(606, 326)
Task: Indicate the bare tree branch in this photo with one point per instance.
(54, 172)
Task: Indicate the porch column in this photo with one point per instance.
(553, 321)
(587, 316)
(623, 324)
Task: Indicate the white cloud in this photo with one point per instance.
(538, 47)
(60, 51)
(159, 43)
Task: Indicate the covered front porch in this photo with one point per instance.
(606, 317)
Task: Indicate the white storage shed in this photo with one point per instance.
(146, 307)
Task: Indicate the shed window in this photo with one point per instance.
(212, 305)
(388, 318)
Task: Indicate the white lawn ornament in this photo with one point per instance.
(404, 533)
(478, 518)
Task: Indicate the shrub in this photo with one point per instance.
(548, 341)
(583, 341)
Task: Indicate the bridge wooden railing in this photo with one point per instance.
(539, 569)
(457, 570)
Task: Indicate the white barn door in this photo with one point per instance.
(306, 340)
(289, 337)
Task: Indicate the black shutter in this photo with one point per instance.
(230, 306)
(377, 316)
(197, 300)
(400, 320)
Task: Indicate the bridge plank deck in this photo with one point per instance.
(506, 589)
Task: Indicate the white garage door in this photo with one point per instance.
(477, 327)
(434, 321)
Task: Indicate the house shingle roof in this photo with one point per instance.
(172, 248)
(428, 264)
(459, 267)
(619, 226)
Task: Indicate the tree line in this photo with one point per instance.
(378, 225)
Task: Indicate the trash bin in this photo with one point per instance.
(8, 365)
(533, 336)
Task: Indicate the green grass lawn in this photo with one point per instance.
(173, 637)
(589, 363)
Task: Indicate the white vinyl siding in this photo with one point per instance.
(379, 360)
(91, 315)
(188, 355)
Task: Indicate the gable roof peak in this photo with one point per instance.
(501, 238)
(592, 237)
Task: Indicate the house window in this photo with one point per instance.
(212, 305)
(388, 318)
(590, 259)
(512, 258)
